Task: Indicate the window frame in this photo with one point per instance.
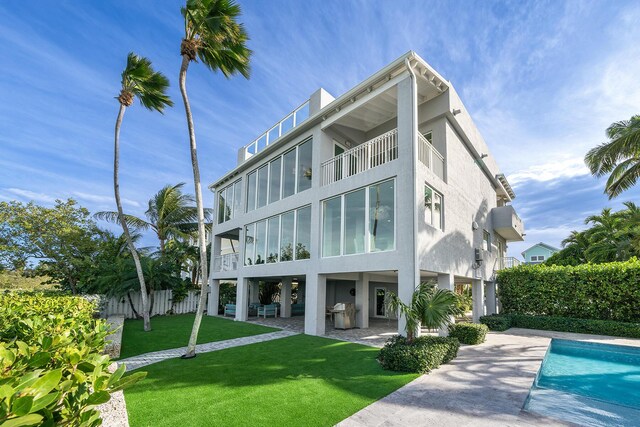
(431, 210)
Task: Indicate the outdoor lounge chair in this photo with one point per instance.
(230, 309)
(253, 309)
(268, 310)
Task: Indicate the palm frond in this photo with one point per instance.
(132, 221)
(148, 85)
(623, 177)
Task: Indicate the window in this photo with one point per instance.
(433, 207)
(260, 240)
(287, 229)
(229, 199)
(251, 191)
(237, 197)
(354, 224)
(382, 216)
(331, 226)
(486, 240)
(274, 180)
(273, 234)
(249, 244)
(428, 136)
(537, 258)
(289, 173)
(263, 185)
(304, 166)
(303, 233)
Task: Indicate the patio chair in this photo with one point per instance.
(268, 310)
(230, 309)
(253, 308)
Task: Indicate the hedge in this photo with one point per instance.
(608, 291)
(496, 322)
(52, 369)
(422, 355)
(469, 333)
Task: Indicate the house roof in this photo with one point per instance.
(544, 245)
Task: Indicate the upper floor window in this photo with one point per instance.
(283, 176)
(433, 213)
(428, 136)
(486, 240)
(229, 201)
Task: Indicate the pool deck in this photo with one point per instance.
(486, 385)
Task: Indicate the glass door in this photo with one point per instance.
(380, 295)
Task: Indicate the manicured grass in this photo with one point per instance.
(295, 381)
(174, 331)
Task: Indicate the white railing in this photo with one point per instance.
(292, 120)
(376, 152)
(226, 262)
(507, 262)
(431, 157)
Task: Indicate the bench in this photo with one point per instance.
(268, 310)
(297, 309)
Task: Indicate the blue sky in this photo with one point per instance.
(542, 80)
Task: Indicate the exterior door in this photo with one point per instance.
(380, 296)
(339, 164)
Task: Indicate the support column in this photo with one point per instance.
(214, 297)
(446, 281)
(362, 301)
(316, 293)
(254, 292)
(477, 292)
(285, 297)
(407, 282)
(491, 298)
(242, 299)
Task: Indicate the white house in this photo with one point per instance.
(385, 186)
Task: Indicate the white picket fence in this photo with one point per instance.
(161, 305)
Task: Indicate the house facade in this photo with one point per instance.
(349, 198)
(538, 253)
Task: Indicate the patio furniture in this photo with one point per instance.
(297, 309)
(253, 308)
(268, 310)
(230, 309)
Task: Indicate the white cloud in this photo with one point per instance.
(558, 169)
(104, 199)
(31, 195)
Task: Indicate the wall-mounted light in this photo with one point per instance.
(456, 111)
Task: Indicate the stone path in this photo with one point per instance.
(141, 360)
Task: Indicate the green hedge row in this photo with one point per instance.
(52, 369)
(501, 322)
(590, 291)
(469, 333)
(422, 355)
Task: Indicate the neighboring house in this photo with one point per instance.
(538, 253)
(349, 198)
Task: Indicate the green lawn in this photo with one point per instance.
(295, 381)
(173, 332)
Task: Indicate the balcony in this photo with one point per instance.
(378, 151)
(430, 157)
(507, 262)
(226, 262)
(507, 223)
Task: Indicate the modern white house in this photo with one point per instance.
(348, 198)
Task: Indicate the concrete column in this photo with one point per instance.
(362, 301)
(214, 297)
(314, 317)
(491, 298)
(285, 297)
(407, 282)
(477, 292)
(446, 281)
(242, 299)
(254, 292)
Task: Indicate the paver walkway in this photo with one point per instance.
(145, 359)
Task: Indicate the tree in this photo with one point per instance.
(212, 35)
(429, 307)
(619, 157)
(149, 86)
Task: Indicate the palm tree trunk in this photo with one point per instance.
(125, 227)
(191, 348)
(133, 308)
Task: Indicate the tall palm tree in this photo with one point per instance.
(149, 86)
(212, 35)
(619, 157)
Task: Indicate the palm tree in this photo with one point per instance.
(213, 36)
(430, 307)
(141, 81)
(619, 157)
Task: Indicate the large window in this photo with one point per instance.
(486, 240)
(229, 200)
(433, 207)
(285, 237)
(360, 221)
(282, 177)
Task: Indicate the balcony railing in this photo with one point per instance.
(378, 151)
(507, 262)
(226, 262)
(430, 156)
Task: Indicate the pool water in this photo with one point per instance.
(588, 384)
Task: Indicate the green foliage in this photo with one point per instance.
(140, 79)
(564, 324)
(53, 372)
(496, 322)
(14, 280)
(227, 295)
(590, 291)
(469, 333)
(420, 355)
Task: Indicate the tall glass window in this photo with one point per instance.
(249, 244)
(263, 185)
(273, 234)
(303, 233)
(354, 222)
(274, 181)
(432, 207)
(304, 166)
(382, 216)
(237, 197)
(286, 236)
(331, 217)
(251, 191)
(260, 241)
(228, 206)
(289, 174)
(221, 206)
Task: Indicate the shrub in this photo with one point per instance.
(421, 355)
(496, 322)
(53, 372)
(590, 291)
(582, 326)
(469, 333)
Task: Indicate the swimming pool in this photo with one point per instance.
(588, 384)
